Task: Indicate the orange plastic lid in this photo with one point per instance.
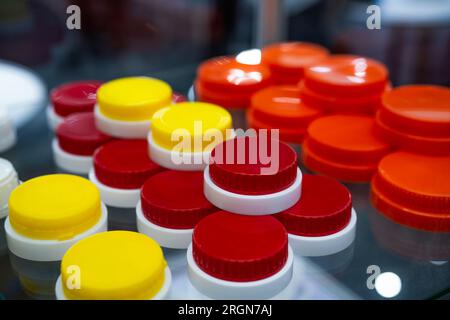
(417, 117)
(224, 78)
(364, 104)
(414, 190)
(280, 107)
(347, 75)
(344, 147)
(287, 61)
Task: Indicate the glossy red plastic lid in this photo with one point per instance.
(79, 96)
(417, 116)
(414, 189)
(124, 164)
(240, 248)
(280, 107)
(346, 75)
(174, 199)
(324, 208)
(287, 61)
(253, 165)
(225, 81)
(344, 147)
(178, 97)
(78, 135)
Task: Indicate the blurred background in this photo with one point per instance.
(167, 39)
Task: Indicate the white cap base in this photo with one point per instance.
(168, 238)
(48, 250)
(53, 119)
(114, 197)
(121, 129)
(221, 289)
(162, 294)
(71, 163)
(8, 182)
(325, 245)
(249, 204)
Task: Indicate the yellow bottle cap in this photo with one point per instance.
(54, 207)
(133, 98)
(113, 265)
(200, 125)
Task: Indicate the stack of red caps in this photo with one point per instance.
(288, 61)
(172, 203)
(416, 118)
(345, 83)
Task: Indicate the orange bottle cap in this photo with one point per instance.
(347, 75)
(417, 117)
(344, 147)
(224, 79)
(288, 60)
(280, 107)
(414, 190)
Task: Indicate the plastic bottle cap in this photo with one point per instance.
(79, 96)
(344, 147)
(8, 182)
(178, 97)
(225, 81)
(346, 75)
(114, 265)
(174, 199)
(287, 61)
(124, 164)
(239, 248)
(414, 190)
(364, 104)
(417, 116)
(7, 131)
(78, 135)
(133, 98)
(280, 107)
(172, 124)
(54, 207)
(324, 208)
(238, 165)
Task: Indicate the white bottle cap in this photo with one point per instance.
(8, 181)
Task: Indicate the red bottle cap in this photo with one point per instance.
(124, 164)
(365, 104)
(324, 208)
(346, 76)
(343, 147)
(174, 199)
(280, 107)
(240, 248)
(225, 81)
(414, 190)
(416, 117)
(77, 134)
(79, 96)
(287, 61)
(178, 97)
(240, 165)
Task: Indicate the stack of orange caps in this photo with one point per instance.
(344, 146)
(227, 82)
(280, 107)
(345, 83)
(416, 118)
(288, 61)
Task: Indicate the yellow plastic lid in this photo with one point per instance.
(54, 207)
(133, 98)
(202, 125)
(113, 265)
